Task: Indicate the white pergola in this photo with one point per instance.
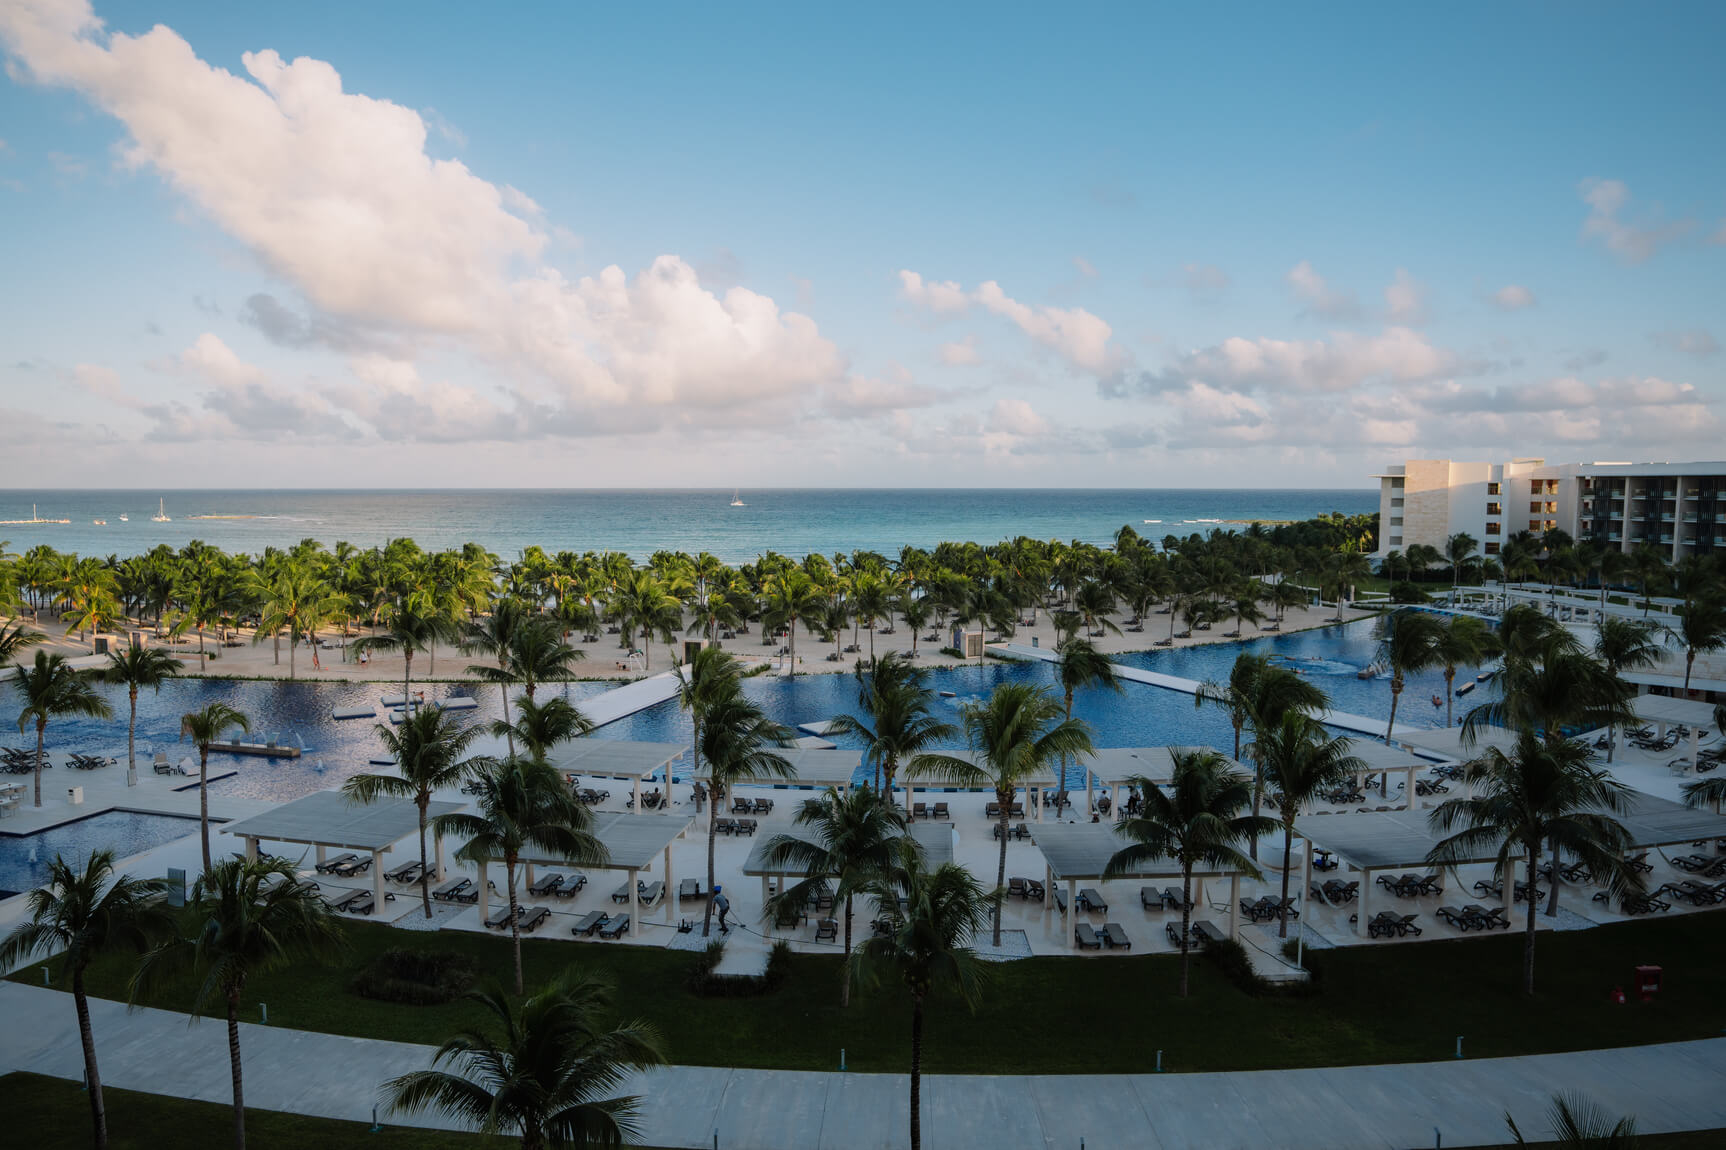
(1448, 743)
(633, 843)
(1075, 851)
(936, 839)
(1377, 758)
(811, 767)
(1114, 768)
(1669, 711)
(616, 759)
(1034, 785)
(328, 819)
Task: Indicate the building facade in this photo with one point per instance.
(1679, 508)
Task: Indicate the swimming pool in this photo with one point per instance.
(24, 859)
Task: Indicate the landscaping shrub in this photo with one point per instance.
(1230, 957)
(1406, 592)
(704, 982)
(416, 977)
(953, 651)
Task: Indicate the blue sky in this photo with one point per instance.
(994, 245)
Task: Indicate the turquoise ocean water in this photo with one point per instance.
(791, 521)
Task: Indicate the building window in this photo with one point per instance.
(1493, 528)
(1495, 509)
(1534, 506)
(1396, 521)
(1534, 525)
(1396, 483)
(1551, 508)
(1492, 489)
(1396, 541)
(1491, 544)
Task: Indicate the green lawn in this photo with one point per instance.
(57, 1117)
(1073, 1015)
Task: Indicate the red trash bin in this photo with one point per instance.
(1648, 982)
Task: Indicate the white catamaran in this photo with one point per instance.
(161, 515)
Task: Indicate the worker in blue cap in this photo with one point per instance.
(722, 905)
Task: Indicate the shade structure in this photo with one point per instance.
(936, 839)
(327, 819)
(1114, 766)
(1077, 851)
(1449, 743)
(616, 758)
(1670, 710)
(1657, 822)
(633, 843)
(811, 767)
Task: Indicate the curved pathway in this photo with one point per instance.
(1668, 1087)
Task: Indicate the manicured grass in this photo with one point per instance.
(1070, 1015)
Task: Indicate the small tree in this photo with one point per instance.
(139, 667)
(52, 689)
(1407, 644)
(1299, 758)
(205, 727)
(737, 739)
(897, 697)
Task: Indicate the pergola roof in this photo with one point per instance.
(813, 767)
(1379, 757)
(1656, 822)
(1668, 709)
(331, 819)
(613, 757)
(1447, 741)
(1083, 851)
(632, 842)
(1113, 766)
(1044, 778)
(936, 839)
(1378, 839)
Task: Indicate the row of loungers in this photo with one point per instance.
(345, 865)
(600, 923)
(924, 811)
(352, 902)
(1475, 917)
(646, 893)
(1113, 937)
(1169, 898)
(526, 919)
(1200, 934)
(735, 827)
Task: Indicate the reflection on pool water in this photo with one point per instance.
(24, 859)
(299, 713)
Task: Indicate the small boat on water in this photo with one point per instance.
(99, 522)
(125, 519)
(161, 515)
(1153, 521)
(1464, 689)
(737, 498)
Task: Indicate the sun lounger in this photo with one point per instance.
(1086, 937)
(1116, 937)
(532, 919)
(1486, 918)
(615, 927)
(407, 872)
(452, 891)
(1455, 917)
(1172, 898)
(1207, 932)
(689, 890)
(1091, 899)
(650, 894)
(745, 827)
(1150, 898)
(724, 827)
(940, 811)
(330, 866)
(1061, 900)
(572, 884)
(545, 884)
(503, 918)
(1033, 890)
(827, 930)
(1174, 933)
(353, 902)
(1016, 887)
(357, 866)
(589, 922)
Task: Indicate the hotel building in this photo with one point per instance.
(1678, 507)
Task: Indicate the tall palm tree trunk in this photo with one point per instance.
(1528, 942)
(425, 877)
(234, 1066)
(916, 1072)
(131, 740)
(1001, 866)
(41, 736)
(1186, 924)
(293, 649)
(1288, 849)
(1552, 899)
(204, 799)
(713, 801)
(508, 734)
(92, 1077)
(514, 925)
(845, 968)
(1449, 695)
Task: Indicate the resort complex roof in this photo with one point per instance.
(331, 819)
(632, 842)
(1378, 839)
(813, 767)
(613, 758)
(1667, 709)
(1448, 741)
(936, 839)
(1115, 766)
(1083, 851)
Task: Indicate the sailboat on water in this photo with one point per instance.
(161, 515)
(737, 498)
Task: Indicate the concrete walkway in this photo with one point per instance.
(1668, 1088)
(630, 698)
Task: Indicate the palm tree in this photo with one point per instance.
(245, 918)
(14, 639)
(541, 726)
(205, 727)
(412, 625)
(1579, 1124)
(710, 676)
(736, 735)
(493, 635)
(852, 846)
(1649, 567)
(1543, 792)
(928, 947)
(644, 602)
(896, 696)
(298, 601)
(139, 667)
(1017, 735)
(543, 1074)
(1463, 641)
(1701, 629)
(1459, 549)
(522, 805)
(1407, 644)
(429, 751)
(1623, 645)
(1299, 757)
(1258, 694)
(1550, 685)
(1197, 820)
(1078, 664)
(538, 654)
(1709, 792)
(791, 596)
(80, 917)
(51, 689)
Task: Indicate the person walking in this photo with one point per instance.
(722, 905)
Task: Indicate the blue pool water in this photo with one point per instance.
(24, 859)
(300, 712)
